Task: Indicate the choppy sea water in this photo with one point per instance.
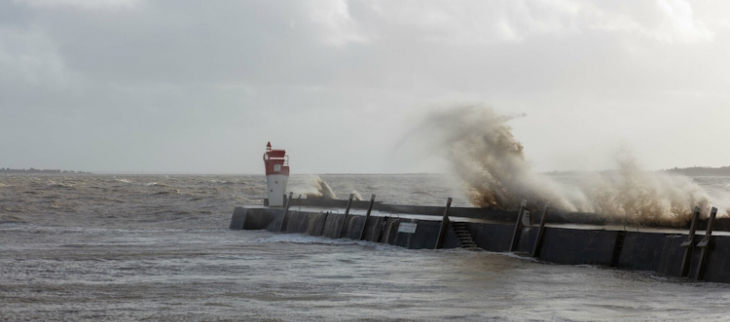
(104, 247)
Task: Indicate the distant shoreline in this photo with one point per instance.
(41, 171)
(690, 172)
(701, 171)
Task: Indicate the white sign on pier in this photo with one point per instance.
(407, 227)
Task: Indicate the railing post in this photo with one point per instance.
(689, 244)
(444, 225)
(518, 226)
(367, 216)
(347, 212)
(538, 240)
(286, 211)
(705, 244)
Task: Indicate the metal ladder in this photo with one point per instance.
(464, 236)
(617, 247)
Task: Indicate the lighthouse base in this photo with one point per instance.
(276, 187)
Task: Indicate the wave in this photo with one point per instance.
(10, 219)
(318, 240)
(53, 184)
(480, 148)
(311, 187)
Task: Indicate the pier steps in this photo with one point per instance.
(464, 235)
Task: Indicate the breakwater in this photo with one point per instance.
(563, 238)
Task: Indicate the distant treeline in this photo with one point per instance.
(33, 170)
(701, 171)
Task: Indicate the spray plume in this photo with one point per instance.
(484, 154)
(311, 186)
(323, 190)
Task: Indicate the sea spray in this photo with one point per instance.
(323, 190)
(482, 151)
(634, 195)
(311, 186)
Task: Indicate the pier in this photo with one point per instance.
(699, 252)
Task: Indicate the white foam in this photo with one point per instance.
(491, 163)
(306, 239)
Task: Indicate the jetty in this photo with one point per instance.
(700, 251)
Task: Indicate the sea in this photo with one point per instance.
(158, 248)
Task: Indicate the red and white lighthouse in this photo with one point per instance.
(277, 174)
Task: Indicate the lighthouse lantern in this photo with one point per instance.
(277, 175)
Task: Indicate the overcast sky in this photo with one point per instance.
(201, 86)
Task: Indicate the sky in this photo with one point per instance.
(178, 86)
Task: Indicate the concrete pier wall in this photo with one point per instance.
(556, 217)
(576, 247)
(643, 251)
(718, 261)
(629, 250)
(491, 237)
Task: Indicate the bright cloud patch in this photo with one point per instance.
(29, 57)
(338, 25)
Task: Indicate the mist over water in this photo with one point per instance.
(482, 151)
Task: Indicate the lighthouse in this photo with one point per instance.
(277, 174)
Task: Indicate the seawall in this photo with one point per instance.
(646, 250)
